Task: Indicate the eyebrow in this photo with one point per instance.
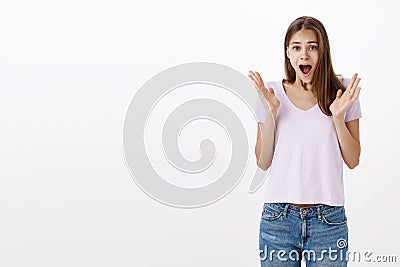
(309, 42)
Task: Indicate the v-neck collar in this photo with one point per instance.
(291, 103)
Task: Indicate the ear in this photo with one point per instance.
(287, 52)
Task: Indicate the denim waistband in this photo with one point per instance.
(309, 211)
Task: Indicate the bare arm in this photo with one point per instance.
(348, 132)
(265, 142)
(266, 131)
(349, 140)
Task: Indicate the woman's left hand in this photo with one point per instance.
(344, 100)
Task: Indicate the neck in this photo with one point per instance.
(305, 86)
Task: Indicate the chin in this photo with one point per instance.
(306, 79)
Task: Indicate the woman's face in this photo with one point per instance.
(303, 54)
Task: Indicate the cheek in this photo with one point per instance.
(315, 56)
(293, 61)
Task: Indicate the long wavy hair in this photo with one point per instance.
(325, 83)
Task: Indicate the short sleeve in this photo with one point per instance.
(354, 112)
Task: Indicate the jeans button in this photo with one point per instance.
(304, 212)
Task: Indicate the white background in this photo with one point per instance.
(68, 71)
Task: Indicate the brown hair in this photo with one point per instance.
(325, 83)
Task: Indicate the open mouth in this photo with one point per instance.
(305, 69)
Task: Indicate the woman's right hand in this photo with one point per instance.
(267, 95)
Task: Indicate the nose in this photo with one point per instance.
(304, 54)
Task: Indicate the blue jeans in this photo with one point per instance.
(317, 234)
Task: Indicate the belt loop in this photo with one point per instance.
(286, 208)
(319, 212)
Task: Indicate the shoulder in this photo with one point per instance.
(345, 81)
(276, 85)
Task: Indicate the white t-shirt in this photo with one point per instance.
(307, 165)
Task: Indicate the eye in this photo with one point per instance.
(313, 47)
(296, 48)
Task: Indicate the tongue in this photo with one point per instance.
(306, 69)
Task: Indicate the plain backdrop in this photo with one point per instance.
(68, 71)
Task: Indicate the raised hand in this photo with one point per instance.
(267, 95)
(344, 100)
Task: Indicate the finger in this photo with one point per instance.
(251, 78)
(352, 81)
(254, 78)
(339, 93)
(259, 78)
(354, 87)
(251, 73)
(271, 90)
(356, 95)
(354, 90)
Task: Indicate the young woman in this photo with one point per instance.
(315, 125)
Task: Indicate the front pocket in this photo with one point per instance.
(335, 218)
(270, 214)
